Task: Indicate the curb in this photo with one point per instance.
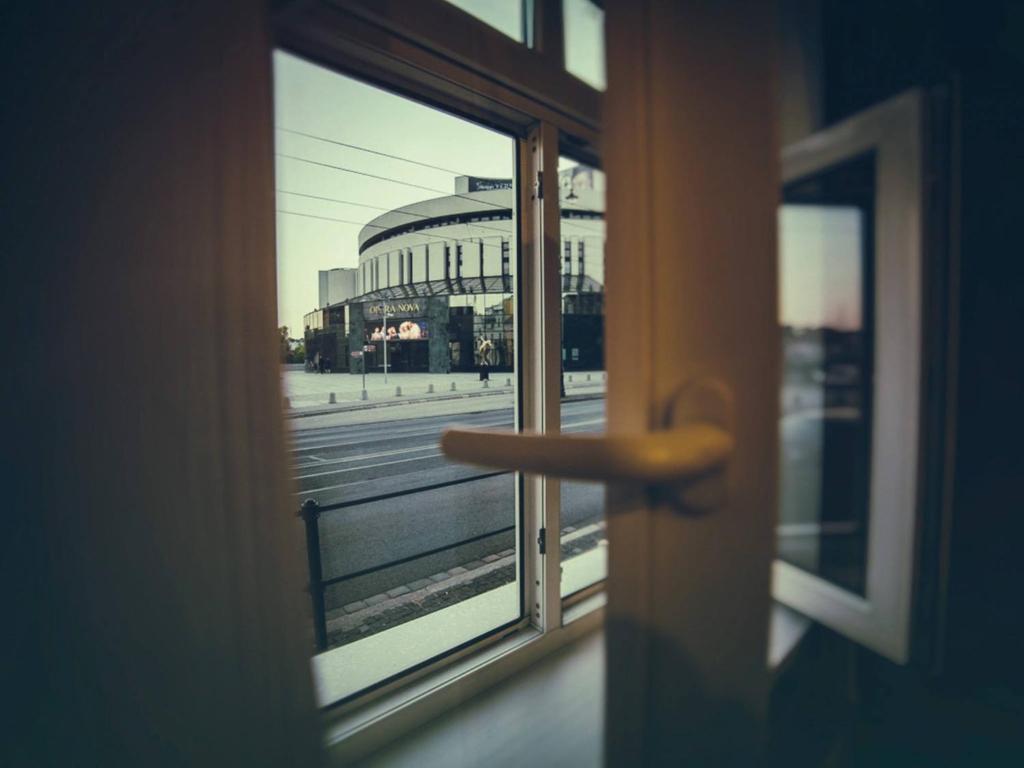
(357, 619)
(344, 408)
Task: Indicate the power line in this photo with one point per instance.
(362, 173)
(381, 154)
(345, 202)
(388, 210)
(438, 238)
(575, 222)
(322, 218)
(405, 183)
(392, 180)
(372, 151)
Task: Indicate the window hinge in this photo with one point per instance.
(539, 186)
(542, 541)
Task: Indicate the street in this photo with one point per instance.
(377, 470)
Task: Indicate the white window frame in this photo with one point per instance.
(881, 619)
(430, 50)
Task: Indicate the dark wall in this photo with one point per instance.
(962, 699)
(875, 49)
(871, 51)
(985, 629)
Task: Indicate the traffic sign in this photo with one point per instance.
(357, 353)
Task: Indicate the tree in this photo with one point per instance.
(283, 347)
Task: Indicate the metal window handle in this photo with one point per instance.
(686, 458)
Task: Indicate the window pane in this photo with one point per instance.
(581, 259)
(504, 15)
(826, 266)
(584, 41)
(413, 555)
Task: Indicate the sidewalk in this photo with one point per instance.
(314, 394)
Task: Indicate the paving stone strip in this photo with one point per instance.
(405, 602)
(387, 610)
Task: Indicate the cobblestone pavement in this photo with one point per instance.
(406, 602)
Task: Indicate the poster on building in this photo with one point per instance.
(398, 330)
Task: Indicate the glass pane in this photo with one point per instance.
(504, 15)
(581, 259)
(826, 259)
(395, 224)
(584, 41)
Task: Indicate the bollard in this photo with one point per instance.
(364, 396)
(453, 386)
(398, 391)
(310, 513)
(588, 377)
(508, 382)
(570, 377)
(332, 399)
(486, 383)
(430, 389)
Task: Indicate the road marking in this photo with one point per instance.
(368, 466)
(396, 434)
(321, 462)
(313, 461)
(583, 423)
(410, 491)
(363, 457)
(839, 527)
(413, 431)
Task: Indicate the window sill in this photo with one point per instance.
(352, 733)
(786, 630)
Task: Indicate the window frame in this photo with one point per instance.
(881, 619)
(528, 94)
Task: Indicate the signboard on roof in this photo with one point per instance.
(486, 185)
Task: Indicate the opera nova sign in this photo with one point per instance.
(394, 309)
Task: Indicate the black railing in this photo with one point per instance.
(311, 512)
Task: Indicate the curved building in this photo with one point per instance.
(436, 278)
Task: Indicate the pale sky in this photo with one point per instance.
(820, 266)
(316, 101)
(820, 257)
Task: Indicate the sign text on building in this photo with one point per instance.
(394, 309)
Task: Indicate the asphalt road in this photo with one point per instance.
(379, 470)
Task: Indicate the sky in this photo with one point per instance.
(820, 266)
(315, 101)
(820, 248)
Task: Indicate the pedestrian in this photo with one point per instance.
(484, 352)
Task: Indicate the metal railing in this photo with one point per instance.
(310, 513)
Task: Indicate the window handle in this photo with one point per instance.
(686, 457)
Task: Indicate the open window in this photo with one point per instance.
(850, 303)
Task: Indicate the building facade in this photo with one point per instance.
(435, 282)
